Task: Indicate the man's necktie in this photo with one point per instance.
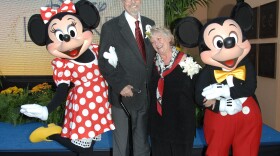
(140, 40)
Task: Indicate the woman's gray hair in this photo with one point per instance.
(162, 30)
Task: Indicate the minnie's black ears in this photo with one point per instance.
(88, 13)
(37, 30)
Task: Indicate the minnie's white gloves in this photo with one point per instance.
(35, 110)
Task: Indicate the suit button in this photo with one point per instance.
(246, 110)
(223, 113)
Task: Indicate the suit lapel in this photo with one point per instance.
(129, 37)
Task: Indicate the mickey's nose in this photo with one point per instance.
(229, 42)
(66, 38)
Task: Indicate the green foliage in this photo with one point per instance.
(10, 106)
(175, 9)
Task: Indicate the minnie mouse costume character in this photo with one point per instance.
(66, 32)
(227, 83)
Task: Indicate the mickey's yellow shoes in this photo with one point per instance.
(42, 133)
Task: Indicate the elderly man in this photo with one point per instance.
(125, 60)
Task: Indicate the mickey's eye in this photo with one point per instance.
(72, 31)
(233, 34)
(218, 42)
(59, 35)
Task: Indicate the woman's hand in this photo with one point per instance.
(209, 103)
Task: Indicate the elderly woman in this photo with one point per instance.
(172, 111)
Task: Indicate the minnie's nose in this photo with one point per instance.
(66, 38)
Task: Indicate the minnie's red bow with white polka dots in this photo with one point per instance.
(47, 12)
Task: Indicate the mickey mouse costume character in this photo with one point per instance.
(66, 32)
(227, 83)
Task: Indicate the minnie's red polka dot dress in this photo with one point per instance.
(88, 112)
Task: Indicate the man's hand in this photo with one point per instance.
(35, 110)
(127, 91)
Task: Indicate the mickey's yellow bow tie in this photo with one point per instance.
(239, 73)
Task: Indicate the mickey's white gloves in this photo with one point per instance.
(35, 110)
(230, 106)
(111, 56)
(216, 91)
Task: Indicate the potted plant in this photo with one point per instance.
(13, 97)
(175, 9)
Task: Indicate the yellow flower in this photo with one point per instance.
(12, 90)
(40, 87)
(18, 91)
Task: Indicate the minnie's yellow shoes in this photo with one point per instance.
(42, 133)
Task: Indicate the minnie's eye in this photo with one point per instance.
(59, 36)
(232, 34)
(72, 31)
(218, 42)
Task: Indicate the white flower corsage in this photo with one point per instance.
(148, 31)
(189, 66)
(111, 56)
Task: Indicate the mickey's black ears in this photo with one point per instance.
(187, 31)
(88, 13)
(242, 13)
(37, 30)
